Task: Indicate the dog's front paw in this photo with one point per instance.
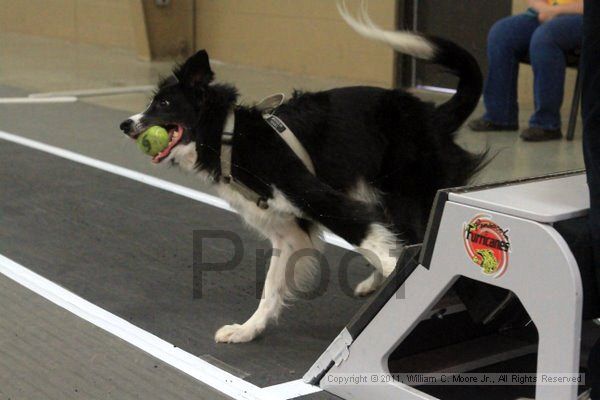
(369, 285)
(235, 334)
(364, 289)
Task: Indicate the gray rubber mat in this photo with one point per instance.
(48, 353)
(127, 247)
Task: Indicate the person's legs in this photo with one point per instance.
(508, 41)
(547, 54)
(590, 68)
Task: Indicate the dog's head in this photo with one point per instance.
(176, 106)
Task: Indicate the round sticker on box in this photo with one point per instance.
(487, 244)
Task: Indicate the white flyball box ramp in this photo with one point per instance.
(505, 236)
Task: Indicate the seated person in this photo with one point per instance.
(545, 32)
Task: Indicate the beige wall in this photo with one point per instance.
(105, 22)
(298, 36)
(170, 29)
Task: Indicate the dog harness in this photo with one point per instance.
(268, 106)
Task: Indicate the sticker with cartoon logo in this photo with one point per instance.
(487, 245)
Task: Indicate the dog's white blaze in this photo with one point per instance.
(137, 123)
(403, 41)
(136, 118)
(366, 193)
(381, 248)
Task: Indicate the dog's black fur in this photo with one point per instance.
(398, 144)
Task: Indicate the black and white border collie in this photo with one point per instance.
(380, 156)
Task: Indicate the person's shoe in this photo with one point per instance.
(481, 125)
(535, 134)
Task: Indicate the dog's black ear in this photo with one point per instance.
(195, 72)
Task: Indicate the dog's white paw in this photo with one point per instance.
(369, 285)
(235, 333)
(364, 288)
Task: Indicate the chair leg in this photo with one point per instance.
(574, 108)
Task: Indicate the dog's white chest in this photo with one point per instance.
(280, 212)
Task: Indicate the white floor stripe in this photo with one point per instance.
(29, 100)
(140, 177)
(95, 92)
(185, 362)
(203, 371)
(289, 390)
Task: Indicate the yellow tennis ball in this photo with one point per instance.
(153, 140)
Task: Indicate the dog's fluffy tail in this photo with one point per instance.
(453, 113)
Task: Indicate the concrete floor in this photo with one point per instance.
(48, 353)
(30, 65)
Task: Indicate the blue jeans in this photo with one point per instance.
(511, 39)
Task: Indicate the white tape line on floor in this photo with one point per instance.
(188, 363)
(110, 91)
(177, 358)
(140, 177)
(289, 390)
(29, 100)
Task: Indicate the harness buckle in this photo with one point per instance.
(262, 203)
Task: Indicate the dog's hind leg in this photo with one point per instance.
(380, 247)
(361, 224)
(373, 197)
(292, 267)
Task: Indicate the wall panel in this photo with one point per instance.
(296, 36)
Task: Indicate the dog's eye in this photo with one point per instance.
(164, 103)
